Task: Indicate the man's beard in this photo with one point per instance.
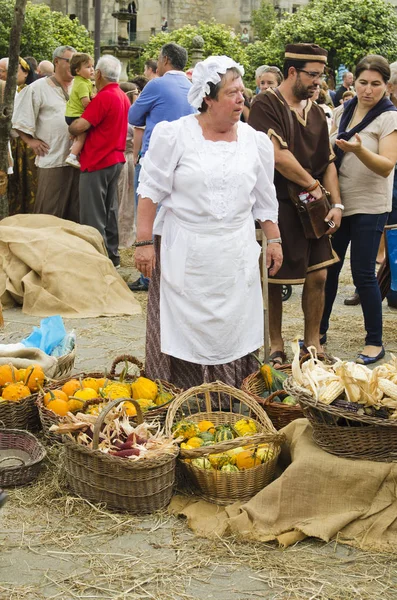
(302, 92)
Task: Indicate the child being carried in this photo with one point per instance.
(82, 69)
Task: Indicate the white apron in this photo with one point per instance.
(210, 294)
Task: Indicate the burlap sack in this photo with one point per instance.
(51, 266)
(317, 495)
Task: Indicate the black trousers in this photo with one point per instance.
(99, 206)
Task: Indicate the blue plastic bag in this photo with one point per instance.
(392, 252)
(46, 337)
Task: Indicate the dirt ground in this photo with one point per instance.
(56, 546)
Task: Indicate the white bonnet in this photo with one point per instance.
(209, 71)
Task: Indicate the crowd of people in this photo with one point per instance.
(184, 163)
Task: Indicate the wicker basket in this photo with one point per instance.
(65, 365)
(220, 404)
(279, 414)
(20, 415)
(135, 486)
(21, 456)
(48, 417)
(344, 433)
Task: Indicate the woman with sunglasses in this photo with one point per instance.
(365, 142)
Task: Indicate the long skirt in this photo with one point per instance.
(182, 373)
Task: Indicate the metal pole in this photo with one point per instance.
(97, 31)
(265, 296)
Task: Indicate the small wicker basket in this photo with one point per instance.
(220, 403)
(20, 415)
(344, 433)
(48, 417)
(65, 365)
(21, 456)
(279, 414)
(135, 486)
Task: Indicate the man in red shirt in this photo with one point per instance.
(102, 156)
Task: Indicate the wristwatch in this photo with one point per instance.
(275, 241)
(340, 206)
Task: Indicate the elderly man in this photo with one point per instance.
(163, 99)
(45, 68)
(105, 119)
(39, 119)
(347, 82)
(304, 159)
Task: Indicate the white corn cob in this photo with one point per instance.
(353, 391)
(331, 391)
(388, 388)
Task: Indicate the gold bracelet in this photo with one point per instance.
(313, 186)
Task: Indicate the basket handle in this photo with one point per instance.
(108, 407)
(129, 358)
(17, 458)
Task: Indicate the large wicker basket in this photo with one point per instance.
(135, 486)
(48, 417)
(20, 415)
(345, 433)
(21, 456)
(221, 404)
(279, 414)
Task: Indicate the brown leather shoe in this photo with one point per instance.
(352, 300)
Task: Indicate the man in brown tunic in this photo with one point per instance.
(310, 162)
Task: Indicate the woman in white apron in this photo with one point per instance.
(213, 177)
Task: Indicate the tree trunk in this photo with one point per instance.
(7, 101)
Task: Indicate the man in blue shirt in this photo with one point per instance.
(162, 99)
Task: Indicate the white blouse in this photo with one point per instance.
(210, 193)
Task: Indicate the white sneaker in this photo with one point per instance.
(73, 162)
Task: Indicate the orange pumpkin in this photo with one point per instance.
(71, 386)
(53, 395)
(247, 459)
(60, 407)
(15, 392)
(35, 378)
(7, 374)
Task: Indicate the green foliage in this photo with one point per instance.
(264, 19)
(43, 31)
(218, 39)
(348, 29)
(258, 54)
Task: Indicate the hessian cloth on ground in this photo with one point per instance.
(317, 495)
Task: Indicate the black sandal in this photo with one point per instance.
(277, 359)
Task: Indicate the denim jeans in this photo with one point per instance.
(144, 280)
(364, 233)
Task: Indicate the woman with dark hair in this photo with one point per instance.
(366, 149)
(212, 176)
(22, 184)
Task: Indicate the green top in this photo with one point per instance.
(82, 88)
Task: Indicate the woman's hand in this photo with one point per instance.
(145, 259)
(350, 146)
(274, 257)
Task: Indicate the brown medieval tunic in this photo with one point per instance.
(313, 151)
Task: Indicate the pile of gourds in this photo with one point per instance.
(18, 384)
(73, 395)
(204, 433)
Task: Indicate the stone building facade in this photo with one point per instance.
(148, 15)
